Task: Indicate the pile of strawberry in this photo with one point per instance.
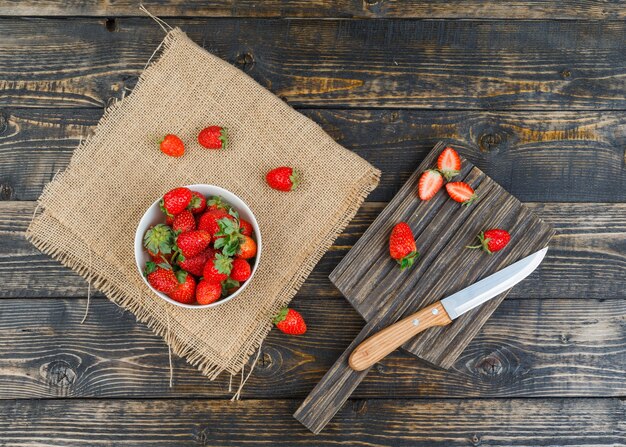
(402, 246)
(203, 250)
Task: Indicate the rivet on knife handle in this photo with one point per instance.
(379, 345)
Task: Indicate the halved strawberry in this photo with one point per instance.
(449, 163)
(461, 192)
(430, 183)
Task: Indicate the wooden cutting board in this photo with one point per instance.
(369, 278)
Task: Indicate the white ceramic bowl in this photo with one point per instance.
(154, 215)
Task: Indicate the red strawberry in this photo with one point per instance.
(197, 204)
(216, 203)
(185, 291)
(241, 270)
(290, 322)
(429, 184)
(245, 227)
(247, 248)
(175, 201)
(209, 221)
(172, 145)
(159, 240)
(283, 178)
(218, 268)
(169, 220)
(208, 292)
(161, 279)
(213, 137)
(449, 163)
(493, 240)
(461, 192)
(193, 243)
(195, 265)
(402, 245)
(184, 222)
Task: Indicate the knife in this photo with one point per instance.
(441, 313)
(341, 380)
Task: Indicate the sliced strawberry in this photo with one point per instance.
(461, 192)
(449, 163)
(430, 183)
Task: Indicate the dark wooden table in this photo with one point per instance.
(532, 92)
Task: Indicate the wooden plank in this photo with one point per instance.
(366, 63)
(537, 156)
(368, 277)
(586, 259)
(372, 423)
(534, 348)
(419, 9)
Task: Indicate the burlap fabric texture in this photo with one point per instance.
(90, 211)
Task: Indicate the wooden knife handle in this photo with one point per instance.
(379, 345)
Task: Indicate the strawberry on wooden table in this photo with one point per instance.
(283, 178)
(172, 145)
(197, 204)
(193, 243)
(213, 137)
(449, 163)
(175, 201)
(402, 245)
(208, 292)
(492, 240)
(461, 192)
(290, 322)
(184, 222)
(429, 184)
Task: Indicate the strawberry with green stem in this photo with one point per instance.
(159, 241)
(290, 322)
(492, 240)
(402, 246)
(175, 201)
(218, 268)
(198, 204)
(213, 137)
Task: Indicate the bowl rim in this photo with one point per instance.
(139, 248)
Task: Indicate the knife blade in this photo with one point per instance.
(442, 312)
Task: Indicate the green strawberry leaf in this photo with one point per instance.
(281, 315)
(223, 264)
(181, 276)
(228, 284)
(150, 267)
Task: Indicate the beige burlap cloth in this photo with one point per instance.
(91, 210)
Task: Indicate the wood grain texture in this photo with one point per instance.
(431, 9)
(521, 151)
(587, 258)
(383, 343)
(532, 348)
(368, 277)
(366, 63)
(369, 423)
